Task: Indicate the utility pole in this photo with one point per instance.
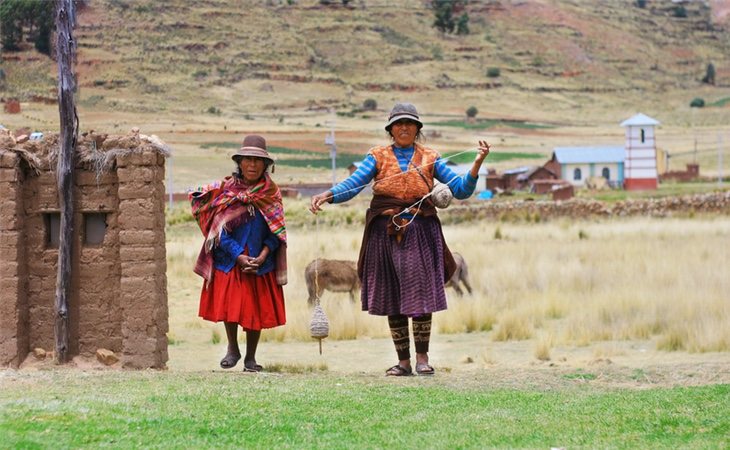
(330, 140)
(69, 121)
(719, 159)
(170, 186)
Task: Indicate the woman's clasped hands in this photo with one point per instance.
(249, 264)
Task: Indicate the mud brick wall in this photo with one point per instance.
(142, 255)
(118, 293)
(14, 342)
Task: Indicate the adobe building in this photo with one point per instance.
(118, 298)
(12, 106)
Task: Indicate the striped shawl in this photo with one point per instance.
(226, 205)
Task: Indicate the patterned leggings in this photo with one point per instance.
(399, 332)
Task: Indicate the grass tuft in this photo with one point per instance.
(543, 346)
(297, 368)
(513, 327)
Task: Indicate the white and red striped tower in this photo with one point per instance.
(640, 162)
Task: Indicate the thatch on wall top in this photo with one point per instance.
(95, 152)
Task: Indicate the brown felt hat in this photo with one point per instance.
(253, 145)
(403, 111)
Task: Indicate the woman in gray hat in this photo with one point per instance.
(243, 259)
(404, 261)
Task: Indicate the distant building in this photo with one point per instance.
(576, 164)
(12, 106)
(537, 174)
(511, 176)
(640, 164)
(632, 166)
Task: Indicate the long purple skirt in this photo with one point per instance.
(404, 277)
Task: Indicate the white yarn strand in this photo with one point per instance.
(416, 168)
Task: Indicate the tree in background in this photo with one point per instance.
(370, 105)
(472, 112)
(44, 12)
(445, 11)
(10, 30)
(710, 75)
(34, 15)
(462, 25)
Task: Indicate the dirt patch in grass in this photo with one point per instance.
(462, 361)
(473, 359)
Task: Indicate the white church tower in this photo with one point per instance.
(640, 171)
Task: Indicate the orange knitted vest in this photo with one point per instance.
(409, 185)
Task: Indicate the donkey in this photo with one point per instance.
(341, 276)
(332, 275)
(461, 275)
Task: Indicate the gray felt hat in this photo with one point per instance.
(403, 111)
(253, 145)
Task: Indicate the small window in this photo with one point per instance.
(94, 228)
(643, 136)
(577, 175)
(606, 173)
(52, 223)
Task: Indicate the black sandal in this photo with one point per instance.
(398, 371)
(229, 361)
(425, 369)
(251, 366)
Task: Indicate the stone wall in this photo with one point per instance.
(118, 295)
(716, 202)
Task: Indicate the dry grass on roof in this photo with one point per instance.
(97, 152)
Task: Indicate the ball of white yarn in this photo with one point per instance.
(441, 195)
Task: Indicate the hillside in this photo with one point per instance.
(267, 65)
(152, 53)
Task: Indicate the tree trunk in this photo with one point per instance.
(66, 52)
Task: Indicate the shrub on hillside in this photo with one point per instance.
(370, 105)
(493, 72)
(697, 102)
(472, 112)
(444, 16)
(641, 3)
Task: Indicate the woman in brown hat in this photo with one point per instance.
(243, 259)
(404, 260)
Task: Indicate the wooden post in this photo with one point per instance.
(65, 52)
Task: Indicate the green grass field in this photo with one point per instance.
(214, 410)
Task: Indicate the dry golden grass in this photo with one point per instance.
(543, 345)
(664, 280)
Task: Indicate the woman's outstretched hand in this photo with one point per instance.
(482, 151)
(317, 201)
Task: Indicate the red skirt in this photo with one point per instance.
(252, 301)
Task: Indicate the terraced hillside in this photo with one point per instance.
(246, 56)
(540, 72)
